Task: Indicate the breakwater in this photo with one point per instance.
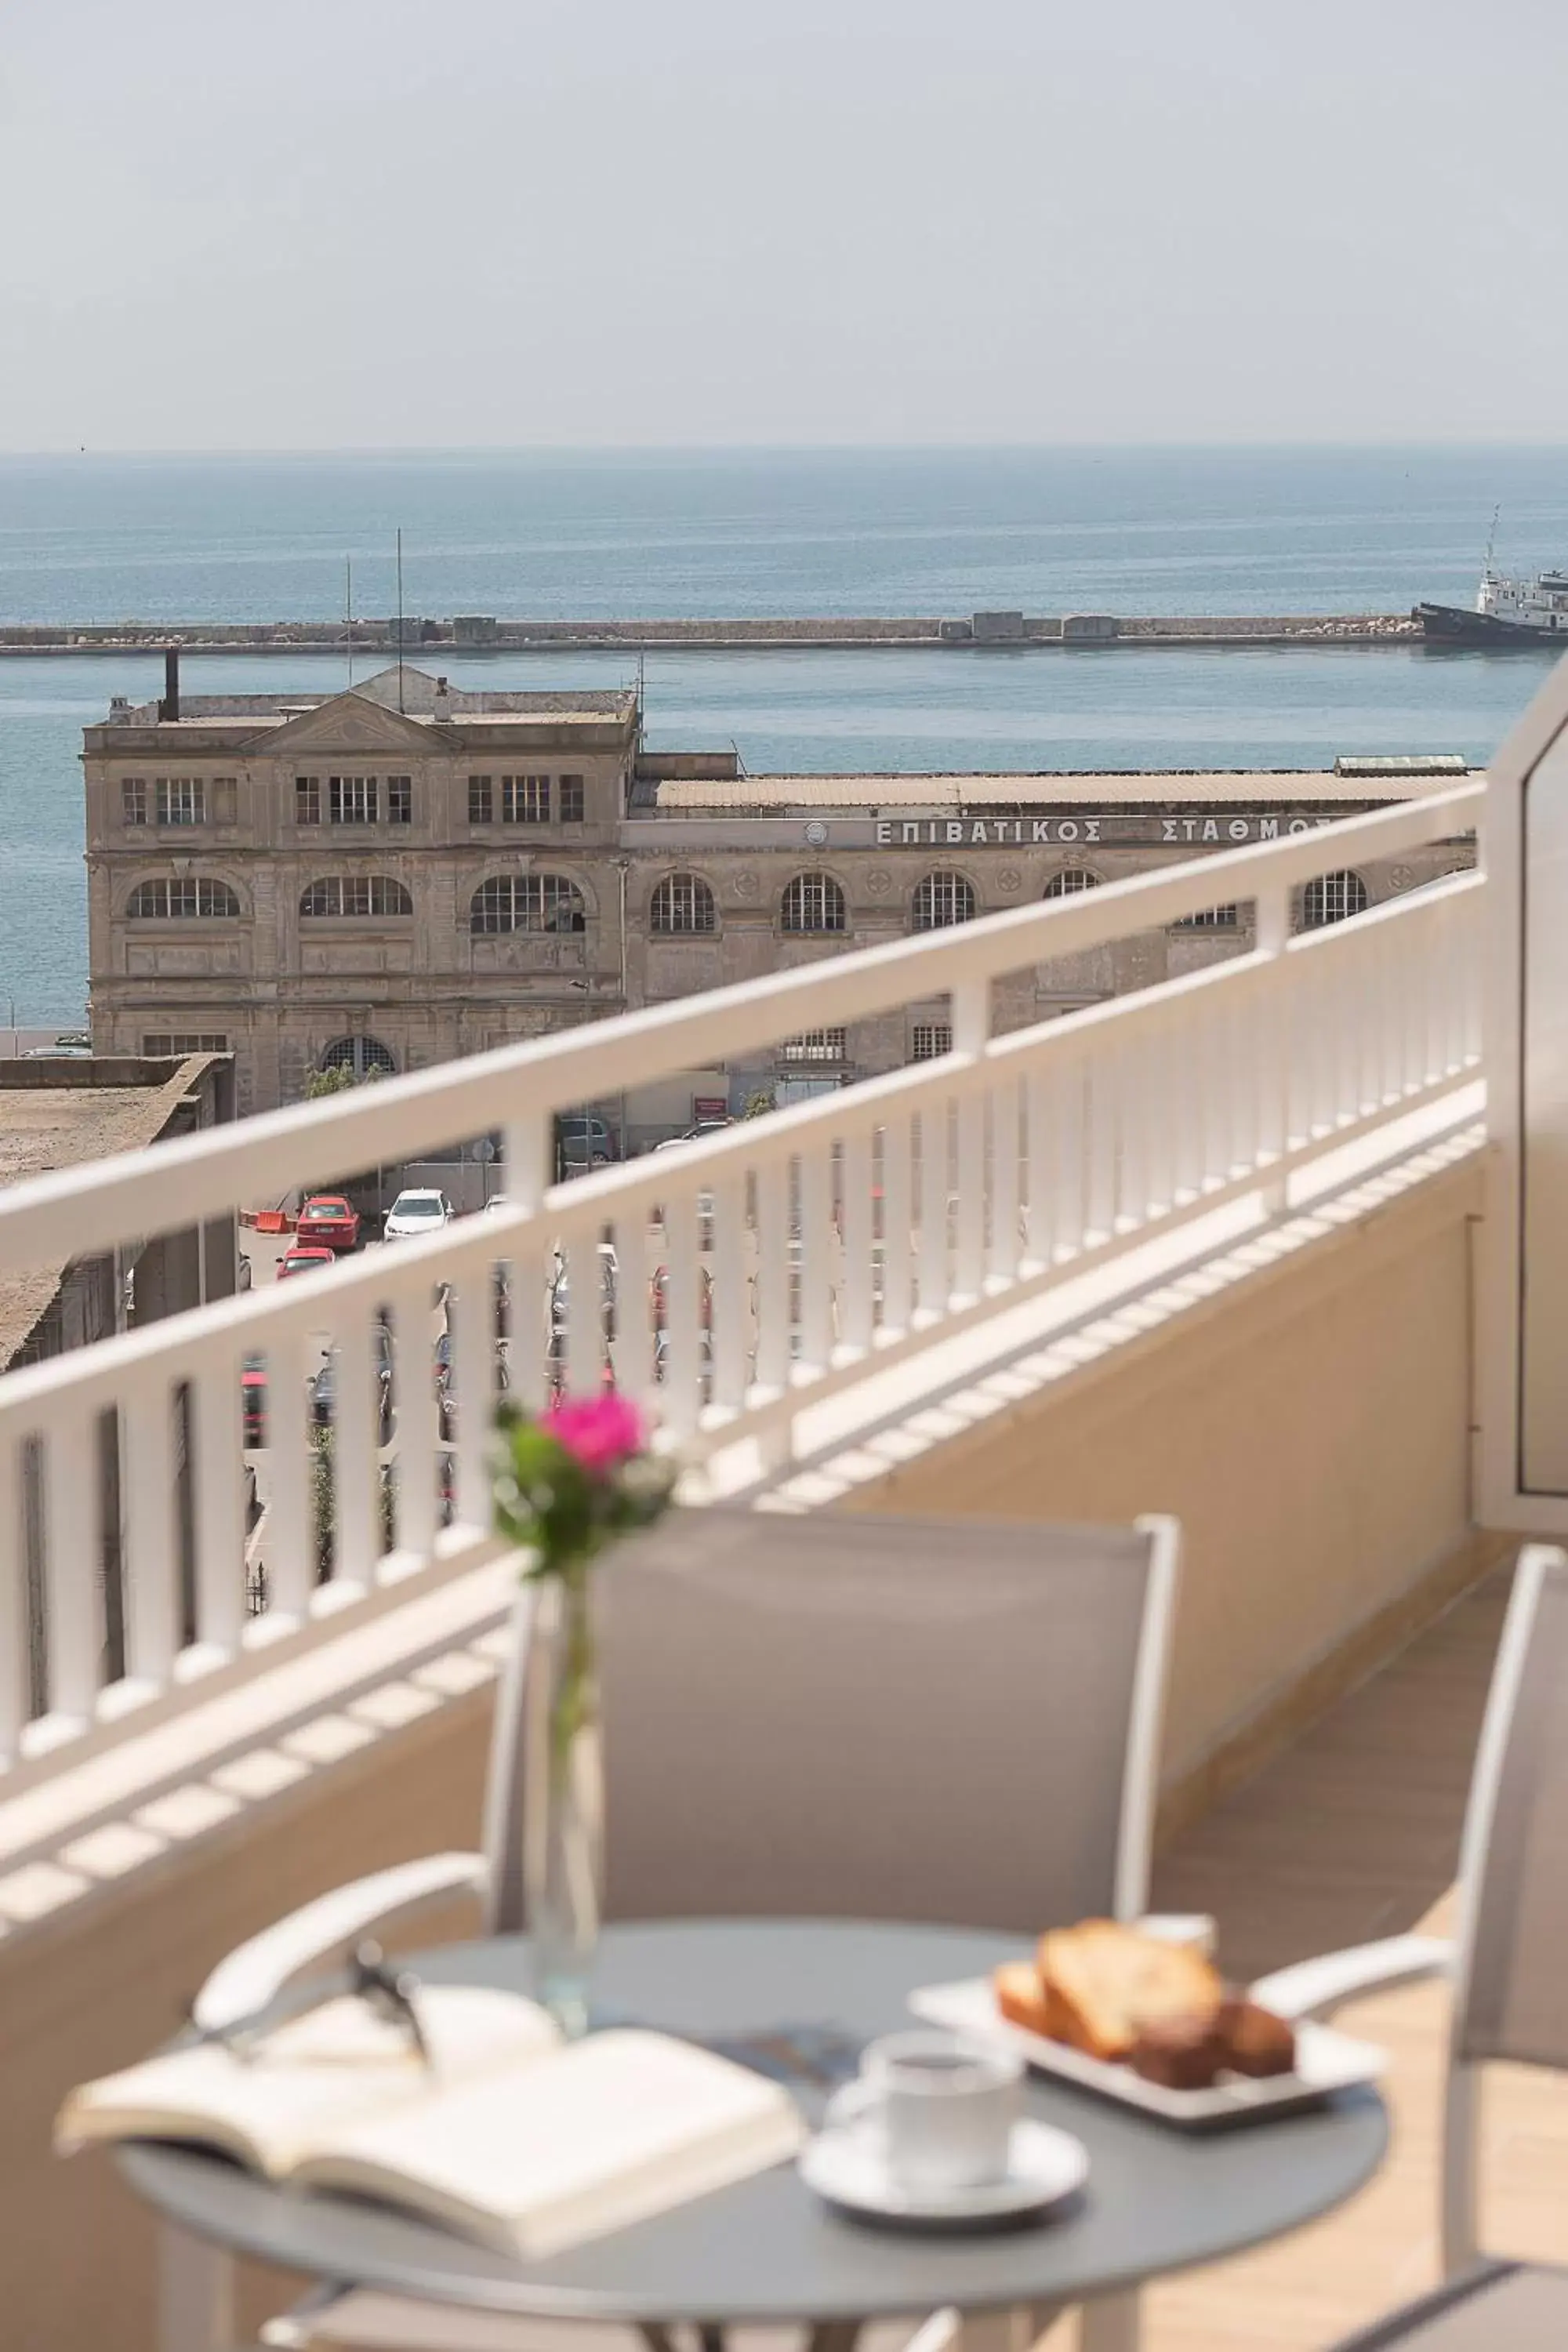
(480, 633)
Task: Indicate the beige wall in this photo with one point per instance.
(108, 1982)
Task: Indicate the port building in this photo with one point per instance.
(403, 873)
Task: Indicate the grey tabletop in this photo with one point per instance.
(1157, 2199)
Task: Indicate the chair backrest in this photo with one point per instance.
(1510, 2001)
(850, 1715)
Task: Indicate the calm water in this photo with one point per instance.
(103, 539)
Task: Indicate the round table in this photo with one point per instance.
(1157, 2199)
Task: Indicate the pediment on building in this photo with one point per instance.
(351, 723)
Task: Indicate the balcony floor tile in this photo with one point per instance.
(1353, 1834)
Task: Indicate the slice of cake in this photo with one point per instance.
(1102, 1985)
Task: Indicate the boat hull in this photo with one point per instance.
(1455, 625)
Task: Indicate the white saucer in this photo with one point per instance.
(846, 2167)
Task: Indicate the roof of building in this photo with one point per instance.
(413, 692)
(47, 1128)
(772, 795)
(415, 695)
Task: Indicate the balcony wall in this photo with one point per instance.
(130, 1920)
(1307, 1418)
(1202, 1249)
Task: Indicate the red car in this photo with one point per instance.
(253, 1400)
(300, 1261)
(327, 1222)
(658, 1291)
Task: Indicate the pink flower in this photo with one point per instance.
(603, 1432)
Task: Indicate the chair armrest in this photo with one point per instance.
(256, 1972)
(1312, 1988)
(1193, 1930)
(294, 2330)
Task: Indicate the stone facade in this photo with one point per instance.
(339, 878)
(299, 813)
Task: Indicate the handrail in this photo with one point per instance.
(52, 1218)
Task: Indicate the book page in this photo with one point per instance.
(610, 2131)
(305, 2077)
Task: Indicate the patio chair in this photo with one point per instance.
(1506, 1963)
(846, 1716)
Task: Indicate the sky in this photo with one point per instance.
(332, 223)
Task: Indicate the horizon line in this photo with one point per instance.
(1219, 446)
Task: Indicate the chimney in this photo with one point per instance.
(442, 700)
(170, 706)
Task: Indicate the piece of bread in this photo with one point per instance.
(1103, 1984)
(1186, 2053)
(1254, 2040)
(1018, 1995)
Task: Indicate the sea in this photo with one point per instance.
(101, 539)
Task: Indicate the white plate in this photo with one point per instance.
(846, 2167)
(1325, 2062)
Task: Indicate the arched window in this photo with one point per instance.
(814, 902)
(365, 1056)
(527, 902)
(1070, 882)
(184, 897)
(943, 898)
(681, 905)
(1331, 897)
(357, 894)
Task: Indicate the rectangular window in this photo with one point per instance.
(352, 800)
(182, 800)
(480, 800)
(930, 1038)
(815, 1045)
(571, 800)
(1211, 919)
(160, 1043)
(525, 800)
(400, 800)
(134, 799)
(306, 799)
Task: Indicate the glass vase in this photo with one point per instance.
(563, 1796)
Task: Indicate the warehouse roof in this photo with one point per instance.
(45, 1126)
(780, 795)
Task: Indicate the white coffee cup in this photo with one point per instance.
(942, 2109)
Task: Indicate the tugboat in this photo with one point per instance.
(1505, 612)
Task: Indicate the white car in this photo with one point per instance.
(412, 1214)
(698, 1134)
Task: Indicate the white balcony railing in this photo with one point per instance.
(792, 1253)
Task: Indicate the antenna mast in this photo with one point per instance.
(400, 619)
(349, 612)
(1491, 542)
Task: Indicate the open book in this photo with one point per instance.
(509, 2135)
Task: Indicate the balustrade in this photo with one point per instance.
(725, 1282)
